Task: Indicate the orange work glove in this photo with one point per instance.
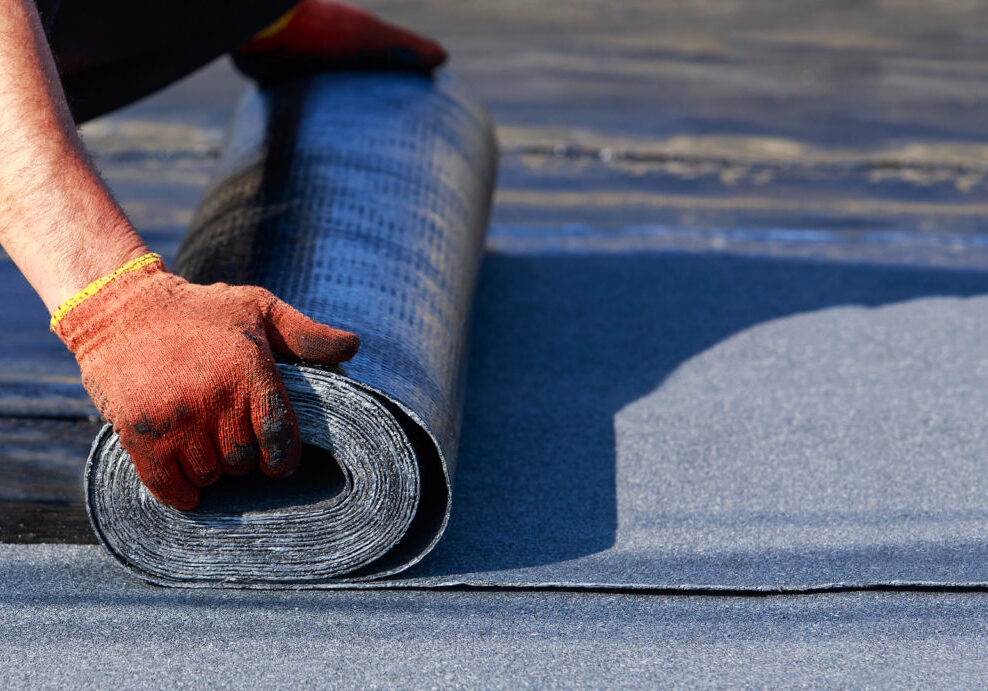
(321, 35)
(186, 373)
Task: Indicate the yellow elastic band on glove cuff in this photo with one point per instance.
(93, 288)
(276, 26)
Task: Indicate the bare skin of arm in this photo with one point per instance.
(58, 222)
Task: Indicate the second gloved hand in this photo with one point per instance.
(186, 373)
(321, 35)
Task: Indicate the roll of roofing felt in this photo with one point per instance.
(362, 200)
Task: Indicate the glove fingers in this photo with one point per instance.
(276, 429)
(155, 452)
(237, 443)
(198, 460)
(292, 333)
(166, 482)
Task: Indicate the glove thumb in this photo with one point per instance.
(292, 333)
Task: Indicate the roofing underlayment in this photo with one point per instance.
(728, 343)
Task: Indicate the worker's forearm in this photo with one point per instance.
(58, 222)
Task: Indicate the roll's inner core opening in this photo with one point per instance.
(318, 483)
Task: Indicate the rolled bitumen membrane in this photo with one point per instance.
(362, 200)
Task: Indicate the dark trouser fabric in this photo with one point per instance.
(113, 52)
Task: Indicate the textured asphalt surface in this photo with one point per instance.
(67, 618)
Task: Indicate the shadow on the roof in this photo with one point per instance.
(563, 342)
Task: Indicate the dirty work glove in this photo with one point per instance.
(319, 35)
(186, 373)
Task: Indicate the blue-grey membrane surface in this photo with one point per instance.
(68, 618)
(693, 420)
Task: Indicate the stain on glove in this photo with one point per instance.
(186, 373)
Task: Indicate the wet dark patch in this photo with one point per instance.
(209, 477)
(182, 412)
(242, 458)
(277, 436)
(146, 428)
(252, 338)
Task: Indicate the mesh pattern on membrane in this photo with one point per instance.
(362, 200)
